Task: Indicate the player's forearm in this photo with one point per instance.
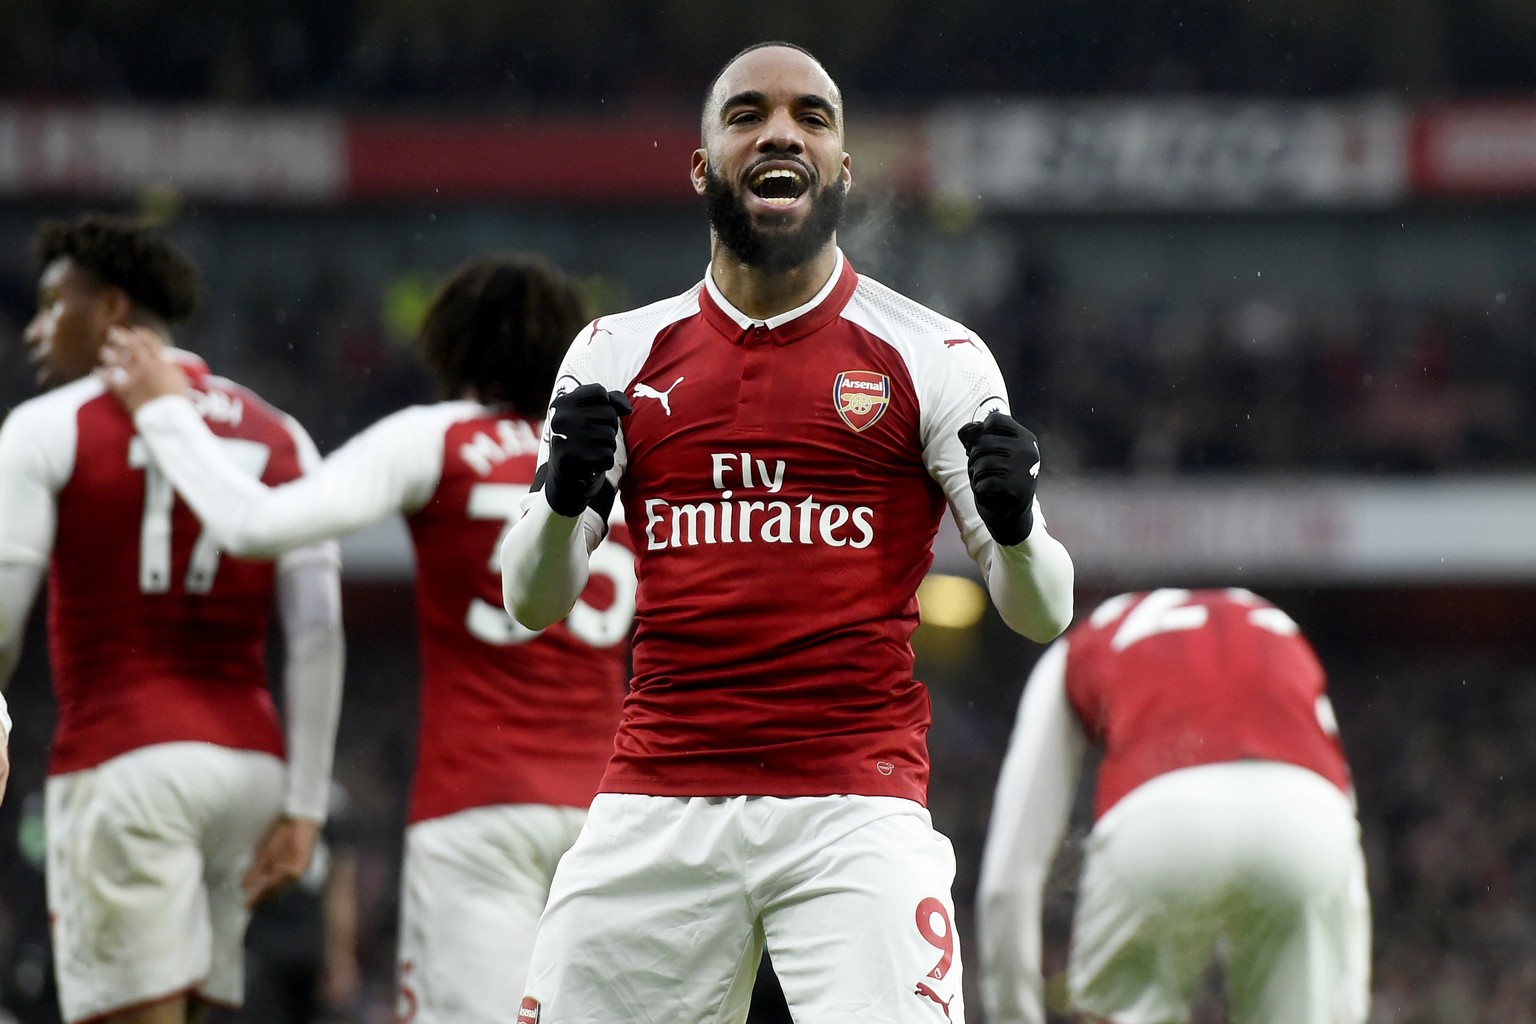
(1008, 924)
(545, 563)
(244, 515)
(19, 583)
(188, 454)
(1009, 902)
(310, 605)
(1031, 585)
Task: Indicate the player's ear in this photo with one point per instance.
(115, 305)
(698, 173)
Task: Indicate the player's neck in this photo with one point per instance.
(762, 294)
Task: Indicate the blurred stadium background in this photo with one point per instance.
(1262, 276)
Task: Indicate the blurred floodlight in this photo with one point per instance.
(951, 602)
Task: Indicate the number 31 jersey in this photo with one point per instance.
(155, 636)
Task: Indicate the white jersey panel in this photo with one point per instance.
(957, 382)
(610, 351)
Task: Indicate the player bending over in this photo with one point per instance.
(1223, 819)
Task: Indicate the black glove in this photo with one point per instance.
(1004, 462)
(583, 436)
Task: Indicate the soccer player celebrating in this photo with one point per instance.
(167, 764)
(516, 725)
(1224, 815)
(796, 432)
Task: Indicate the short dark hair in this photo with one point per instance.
(499, 326)
(126, 254)
(709, 91)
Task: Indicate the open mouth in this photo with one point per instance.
(779, 186)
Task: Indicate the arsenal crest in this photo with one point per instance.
(861, 397)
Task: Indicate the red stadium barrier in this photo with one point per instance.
(1475, 150)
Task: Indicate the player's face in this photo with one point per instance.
(772, 166)
(67, 332)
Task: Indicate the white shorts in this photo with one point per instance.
(661, 911)
(1256, 860)
(145, 856)
(473, 886)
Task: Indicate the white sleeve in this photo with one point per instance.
(394, 465)
(309, 605)
(33, 468)
(1030, 811)
(34, 457)
(545, 558)
(19, 584)
(1030, 582)
(546, 561)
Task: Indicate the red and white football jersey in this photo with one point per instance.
(155, 636)
(1174, 678)
(783, 483)
(507, 716)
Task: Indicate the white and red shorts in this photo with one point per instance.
(661, 911)
(1256, 861)
(472, 889)
(145, 856)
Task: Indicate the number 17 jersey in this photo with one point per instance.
(155, 636)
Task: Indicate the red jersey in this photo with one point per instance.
(155, 636)
(783, 482)
(1172, 679)
(507, 716)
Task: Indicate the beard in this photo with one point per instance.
(773, 251)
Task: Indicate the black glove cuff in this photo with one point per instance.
(1016, 532)
(568, 505)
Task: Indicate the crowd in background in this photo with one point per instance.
(1269, 384)
(472, 53)
(1263, 385)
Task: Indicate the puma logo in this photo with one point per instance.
(956, 342)
(592, 336)
(928, 993)
(664, 397)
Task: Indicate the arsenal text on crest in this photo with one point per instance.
(861, 397)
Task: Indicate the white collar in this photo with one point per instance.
(743, 321)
